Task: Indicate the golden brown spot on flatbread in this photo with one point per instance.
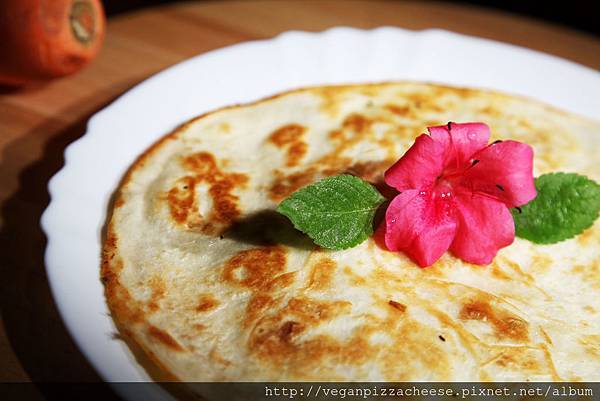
(119, 202)
(589, 273)
(280, 282)
(290, 138)
(330, 99)
(289, 337)
(371, 171)
(505, 324)
(490, 111)
(336, 135)
(215, 356)
(354, 128)
(398, 110)
(255, 268)
(273, 337)
(546, 336)
(285, 185)
(589, 308)
(498, 272)
(591, 342)
(181, 198)
(521, 359)
(256, 307)
(182, 201)
(541, 263)
(587, 236)
(313, 311)
(357, 123)
(427, 101)
(397, 305)
(322, 274)
(206, 302)
(225, 128)
(120, 301)
(354, 278)
(526, 277)
(164, 338)
(158, 288)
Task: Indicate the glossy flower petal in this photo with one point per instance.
(419, 226)
(484, 225)
(419, 166)
(460, 141)
(505, 171)
(455, 194)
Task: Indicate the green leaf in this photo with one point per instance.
(566, 204)
(336, 212)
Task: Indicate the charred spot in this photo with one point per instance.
(164, 338)
(397, 305)
(441, 337)
(398, 110)
(505, 325)
(206, 302)
(290, 329)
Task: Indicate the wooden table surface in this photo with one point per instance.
(37, 123)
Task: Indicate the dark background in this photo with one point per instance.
(581, 15)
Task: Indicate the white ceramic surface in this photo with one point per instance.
(117, 134)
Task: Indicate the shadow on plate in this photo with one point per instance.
(33, 326)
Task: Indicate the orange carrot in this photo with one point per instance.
(44, 39)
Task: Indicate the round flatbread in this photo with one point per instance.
(214, 285)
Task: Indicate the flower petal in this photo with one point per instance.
(418, 167)
(461, 141)
(484, 225)
(505, 171)
(419, 226)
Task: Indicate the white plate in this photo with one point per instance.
(241, 73)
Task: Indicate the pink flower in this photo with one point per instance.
(455, 193)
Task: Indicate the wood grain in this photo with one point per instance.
(38, 122)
